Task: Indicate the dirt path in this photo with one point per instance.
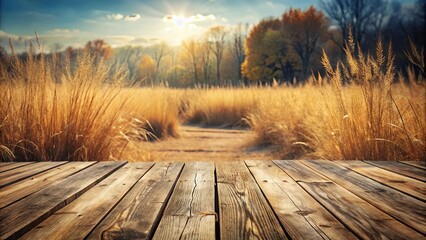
(208, 144)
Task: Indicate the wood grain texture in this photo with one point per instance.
(362, 218)
(14, 165)
(255, 199)
(190, 212)
(300, 214)
(407, 209)
(244, 213)
(15, 175)
(35, 208)
(400, 168)
(136, 215)
(76, 220)
(417, 164)
(404, 184)
(21, 189)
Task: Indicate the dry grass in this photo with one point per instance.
(91, 116)
(88, 116)
(224, 107)
(153, 113)
(368, 118)
(73, 120)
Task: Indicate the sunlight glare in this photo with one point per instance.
(180, 21)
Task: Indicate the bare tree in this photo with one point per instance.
(129, 58)
(205, 53)
(237, 47)
(307, 31)
(190, 48)
(217, 39)
(173, 53)
(359, 15)
(157, 52)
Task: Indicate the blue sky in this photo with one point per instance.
(129, 22)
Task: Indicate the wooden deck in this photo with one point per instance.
(205, 200)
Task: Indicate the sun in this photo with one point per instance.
(180, 21)
(181, 28)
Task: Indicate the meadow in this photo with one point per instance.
(362, 108)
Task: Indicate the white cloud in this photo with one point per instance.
(182, 21)
(132, 17)
(115, 16)
(201, 18)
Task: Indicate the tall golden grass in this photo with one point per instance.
(153, 113)
(223, 107)
(90, 115)
(72, 120)
(369, 118)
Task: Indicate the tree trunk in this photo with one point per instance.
(195, 74)
(218, 80)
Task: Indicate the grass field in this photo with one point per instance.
(90, 115)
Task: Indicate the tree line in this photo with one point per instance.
(285, 49)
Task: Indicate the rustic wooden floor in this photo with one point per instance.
(202, 200)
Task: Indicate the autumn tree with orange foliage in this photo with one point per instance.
(277, 49)
(307, 32)
(100, 49)
(261, 64)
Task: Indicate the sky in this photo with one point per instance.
(128, 22)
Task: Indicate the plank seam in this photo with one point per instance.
(160, 214)
(16, 200)
(216, 204)
(334, 215)
(115, 205)
(362, 197)
(420, 167)
(402, 174)
(31, 175)
(17, 167)
(19, 233)
(267, 200)
(382, 183)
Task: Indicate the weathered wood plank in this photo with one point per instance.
(362, 218)
(18, 174)
(2, 164)
(406, 209)
(400, 168)
(136, 215)
(21, 189)
(76, 220)
(13, 166)
(404, 184)
(300, 214)
(35, 208)
(244, 212)
(417, 164)
(190, 212)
